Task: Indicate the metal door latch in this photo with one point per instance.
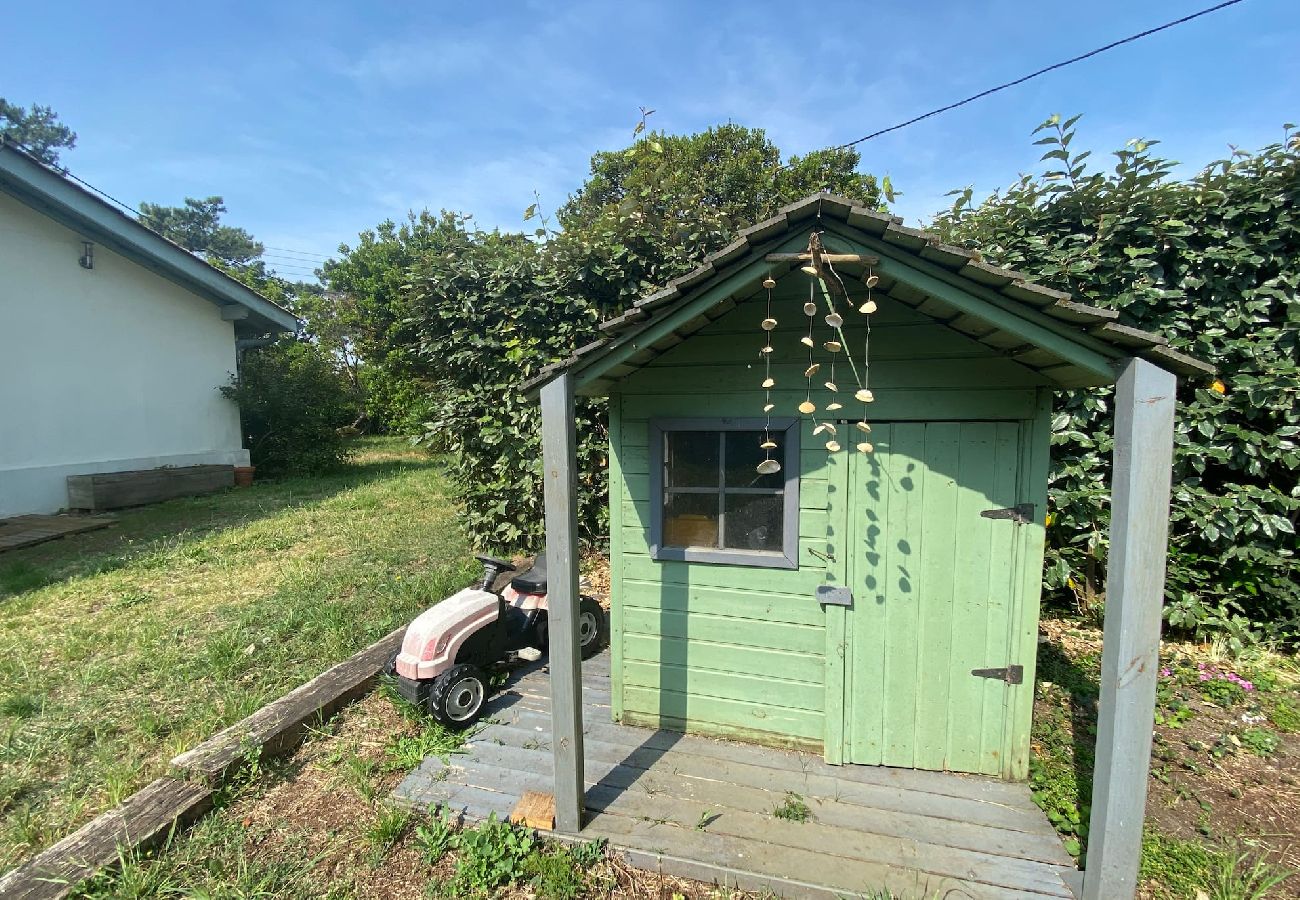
(1021, 513)
(1011, 674)
(834, 595)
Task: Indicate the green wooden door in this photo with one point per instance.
(935, 595)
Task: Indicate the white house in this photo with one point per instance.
(113, 342)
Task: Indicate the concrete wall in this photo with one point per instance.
(101, 370)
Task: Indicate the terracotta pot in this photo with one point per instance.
(244, 475)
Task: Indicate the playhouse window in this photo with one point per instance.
(709, 502)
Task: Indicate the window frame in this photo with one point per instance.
(785, 558)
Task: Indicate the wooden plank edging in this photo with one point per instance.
(278, 726)
(151, 813)
(140, 821)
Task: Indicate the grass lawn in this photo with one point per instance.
(122, 647)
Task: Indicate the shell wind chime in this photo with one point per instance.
(826, 281)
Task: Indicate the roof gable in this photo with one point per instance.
(1069, 343)
(52, 194)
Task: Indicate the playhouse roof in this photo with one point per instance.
(1069, 343)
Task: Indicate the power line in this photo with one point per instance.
(300, 252)
(1043, 71)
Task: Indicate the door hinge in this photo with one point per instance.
(1011, 674)
(1021, 513)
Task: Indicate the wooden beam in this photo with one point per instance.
(1130, 659)
(832, 258)
(560, 492)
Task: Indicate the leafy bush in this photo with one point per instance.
(1213, 264)
(292, 401)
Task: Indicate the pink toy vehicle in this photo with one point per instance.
(449, 648)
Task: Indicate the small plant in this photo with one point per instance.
(1260, 741)
(493, 854)
(555, 875)
(588, 853)
(707, 818)
(406, 751)
(1285, 714)
(793, 809)
(386, 831)
(436, 838)
(1226, 688)
(1234, 876)
(22, 706)
(359, 773)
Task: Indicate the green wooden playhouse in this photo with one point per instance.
(876, 598)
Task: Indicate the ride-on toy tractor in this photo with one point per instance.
(450, 648)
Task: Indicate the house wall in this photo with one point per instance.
(740, 651)
(102, 370)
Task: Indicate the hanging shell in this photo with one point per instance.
(769, 467)
(829, 426)
(809, 270)
(832, 446)
(866, 447)
(872, 280)
(769, 324)
(769, 382)
(808, 372)
(832, 387)
(831, 407)
(769, 282)
(768, 445)
(868, 308)
(865, 395)
(835, 320)
(863, 427)
(767, 349)
(807, 407)
(809, 309)
(768, 407)
(820, 428)
(833, 346)
(806, 341)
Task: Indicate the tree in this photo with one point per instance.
(482, 311)
(1212, 263)
(197, 227)
(38, 130)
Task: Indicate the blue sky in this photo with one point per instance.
(316, 120)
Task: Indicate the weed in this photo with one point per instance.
(493, 854)
(386, 831)
(554, 874)
(22, 706)
(359, 774)
(707, 818)
(20, 577)
(1236, 876)
(406, 751)
(793, 809)
(1260, 741)
(1285, 714)
(588, 853)
(436, 838)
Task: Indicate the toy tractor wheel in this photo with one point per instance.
(541, 634)
(456, 697)
(593, 627)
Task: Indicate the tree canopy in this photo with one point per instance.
(37, 129)
(196, 226)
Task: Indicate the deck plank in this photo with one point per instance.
(919, 834)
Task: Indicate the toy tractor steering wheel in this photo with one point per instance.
(492, 569)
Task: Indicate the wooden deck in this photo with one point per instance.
(23, 531)
(702, 808)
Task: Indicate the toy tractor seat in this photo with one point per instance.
(534, 580)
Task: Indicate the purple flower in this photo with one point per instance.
(1165, 673)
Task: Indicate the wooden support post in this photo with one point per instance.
(560, 463)
(1130, 660)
